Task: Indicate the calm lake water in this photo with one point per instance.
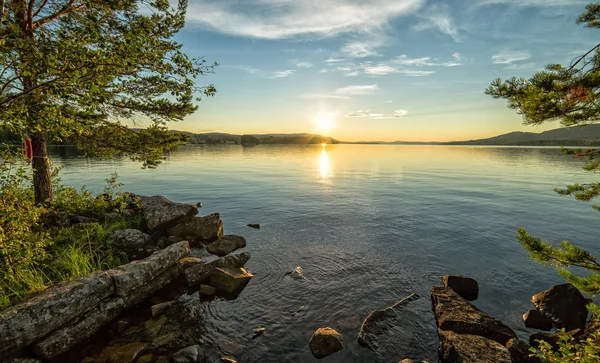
(369, 225)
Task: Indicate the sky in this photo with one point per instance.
(373, 70)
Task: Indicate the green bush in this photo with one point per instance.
(571, 350)
(39, 246)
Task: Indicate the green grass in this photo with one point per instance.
(76, 251)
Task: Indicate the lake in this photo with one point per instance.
(369, 225)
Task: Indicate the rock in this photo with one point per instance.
(324, 342)
(122, 354)
(160, 308)
(190, 354)
(144, 292)
(226, 245)
(61, 340)
(206, 290)
(294, 313)
(407, 360)
(227, 360)
(135, 244)
(230, 280)
(550, 338)
(455, 314)
(165, 339)
(33, 318)
(207, 228)
(519, 352)
(199, 273)
(380, 321)
(160, 213)
(258, 332)
(564, 304)
(188, 262)
(537, 320)
(199, 204)
(129, 277)
(24, 360)
(297, 273)
(254, 225)
(464, 286)
(465, 348)
(238, 260)
(111, 217)
(145, 359)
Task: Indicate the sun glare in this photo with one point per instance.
(325, 122)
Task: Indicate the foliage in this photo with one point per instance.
(40, 246)
(571, 95)
(77, 69)
(570, 350)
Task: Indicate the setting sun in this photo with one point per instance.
(325, 122)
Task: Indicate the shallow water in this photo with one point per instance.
(368, 224)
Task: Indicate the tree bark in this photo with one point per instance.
(42, 183)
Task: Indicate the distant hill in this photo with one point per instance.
(253, 139)
(565, 136)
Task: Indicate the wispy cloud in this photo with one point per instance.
(320, 95)
(377, 116)
(277, 19)
(335, 60)
(283, 74)
(396, 114)
(405, 60)
(353, 74)
(324, 70)
(534, 2)
(357, 90)
(246, 69)
(363, 49)
(438, 17)
(415, 73)
(304, 64)
(510, 56)
(529, 66)
(380, 70)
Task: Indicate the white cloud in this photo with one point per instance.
(304, 65)
(352, 74)
(335, 60)
(318, 95)
(438, 17)
(357, 90)
(283, 74)
(457, 60)
(534, 2)
(530, 66)
(380, 70)
(389, 101)
(361, 49)
(510, 56)
(397, 114)
(278, 19)
(355, 114)
(343, 69)
(377, 116)
(414, 73)
(323, 70)
(246, 69)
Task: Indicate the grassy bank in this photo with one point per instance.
(44, 245)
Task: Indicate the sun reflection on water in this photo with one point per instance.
(324, 166)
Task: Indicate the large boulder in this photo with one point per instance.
(325, 342)
(230, 280)
(380, 321)
(455, 314)
(238, 260)
(61, 340)
(465, 348)
(130, 277)
(520, 353)
(564, 304)
(34, 318)
(161, 214)
(226, 245)
(206, 228)
(537, 320)
(134, 243)
(465, 286)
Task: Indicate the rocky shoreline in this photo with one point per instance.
(149, 310)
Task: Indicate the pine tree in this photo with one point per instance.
(77, 69)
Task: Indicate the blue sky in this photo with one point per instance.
(411, 70)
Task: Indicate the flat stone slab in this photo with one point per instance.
(230, 279)
(453, 313)
(34, 318)
(131, 276)
(61, 340)
(226, 245)
(465, 348)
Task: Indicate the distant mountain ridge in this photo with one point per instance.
(565, 136)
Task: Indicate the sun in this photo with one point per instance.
(325, 122)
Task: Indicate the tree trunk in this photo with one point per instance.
(42, 184)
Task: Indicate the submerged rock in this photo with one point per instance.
(564, 304)
(230, 280)
(380, 321)
(537, 320)
(190, 354)
(203, 228)
(226, 245)
(134, 243)
(464, 286)
(455, 314)
(325, 342)
(124, 353)
(227, 360)
(160, 213)
(258, 332)
(254, 225)
(465, 348)
(297, 273)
